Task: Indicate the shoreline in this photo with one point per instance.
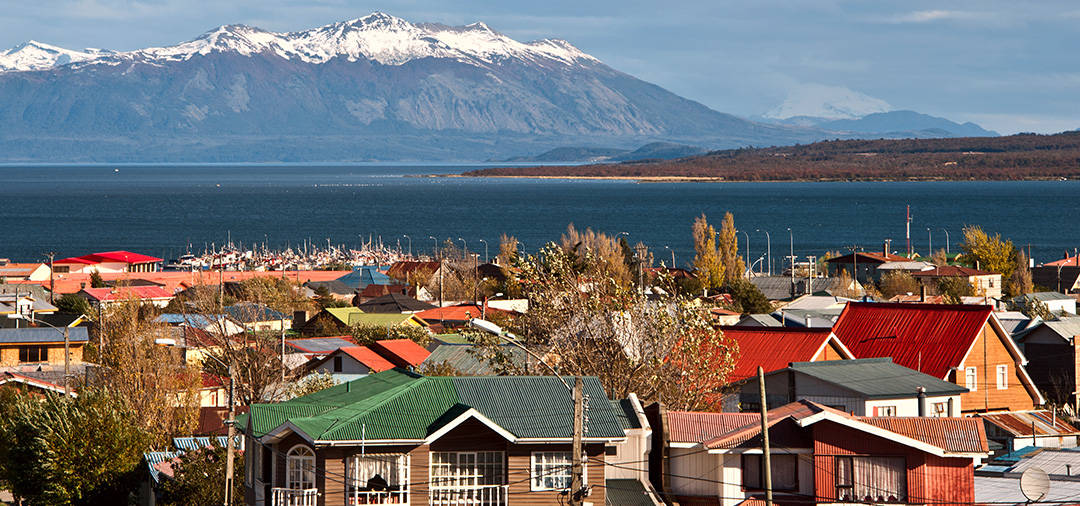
(701, 179)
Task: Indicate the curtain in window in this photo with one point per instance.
(879, 479)
(379, 472)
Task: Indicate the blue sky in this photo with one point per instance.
(1009, 66)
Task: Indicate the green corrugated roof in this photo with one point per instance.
(627, 493)
(624, 411)
(451, 338)
(344, 314)
(876, 378)
(396, 404)
(378, 319)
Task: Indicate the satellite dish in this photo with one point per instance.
(1034, 484)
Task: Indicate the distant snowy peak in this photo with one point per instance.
(34, 55)
(377, 37)
(827, 102)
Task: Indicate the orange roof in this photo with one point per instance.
(178, 280)
(1067, 261)
(128, 292)
(460, 313)
(929, 338)
(696, 427)
(774, 348)
(366, 356)
(401, 352)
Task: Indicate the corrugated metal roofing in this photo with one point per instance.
(401, 352)
(1052, 460)
(397, 404)
(369, 358)
(696, 427)
(461, 359)
(624, 412)
(795, 410)
(1021, 423)
(1066, 328)
(930, 338)
(158, 462)
(958, 435)
(393, 303)
(319, 345)
(128, 292)
(627, 493)
(773, 348)
(42, 335)
(877, 378)
(192, 443)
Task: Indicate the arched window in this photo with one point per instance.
(300, 468)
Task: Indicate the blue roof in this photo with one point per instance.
(363, 276)
(42, 335)
(192, 443)
(252, 312)
(152, 459)
(194, 320)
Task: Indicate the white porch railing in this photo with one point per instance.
(296, 497)
(479, 495)
(379, 497)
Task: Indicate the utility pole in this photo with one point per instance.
(52, 290)
(908, 231)
(929, 242)
(855, 266)
(766, 460)
(576, 484)
(67, 360)
(810, 274)
(231, 422)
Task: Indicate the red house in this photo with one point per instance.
(963, 344)
(818, 455)
(774, 348)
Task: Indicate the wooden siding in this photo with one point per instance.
(988, 352)
(829, 352)
(9, 354)
(929, 478)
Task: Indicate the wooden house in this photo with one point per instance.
(819, 455)
(400, 438)
(963, 344)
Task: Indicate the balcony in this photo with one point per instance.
(478, 495)
(296, 497)
(379, 497)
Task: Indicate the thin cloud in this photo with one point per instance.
(930, 16)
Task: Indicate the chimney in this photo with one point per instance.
(922, 293)
(886, 250)
(922, 400)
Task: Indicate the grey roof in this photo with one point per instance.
(1053, 461)
(811, 318)
(334, 286)
(759, 320)
(1065, 328)
(624, 412)
(627, 492)
(459, 357)
(1045, 296)
(318, 344)
(36, 291)
(42, 335)
(393, 303)
(876, 378)
(1006, 490)
(779, 287)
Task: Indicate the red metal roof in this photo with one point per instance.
(773, 348)
(796, 410)
(1021, 423)
(454, 313)
(961, 435)
(366, 356)
(1067, 261)
(121, 293)
(110, 256)
(695, 427)
(930, 338)
(401, 352)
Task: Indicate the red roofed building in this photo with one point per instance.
(963, 344)
(454, 316)
(774, 348)
(401, 352)
(352, 360)
(819, 455)
(108, 261)
(986, 284)
(865, 263)
(154, 295)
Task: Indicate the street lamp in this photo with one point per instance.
(434, 245)
(768, 242)
(946, 241)
(67, 343)
(930, 241)
(747, 253)
(410, 243)
(465, 247)
(485, 250)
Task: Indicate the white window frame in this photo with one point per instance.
(940, 409)
(1002, 375)
(391, 495)
(885, 410)
(460, 478)
(971, 378)
(544, 464)
(300, 455)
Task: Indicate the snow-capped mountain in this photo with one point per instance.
(33, 55)
(377, 87)
(827, 102)
(377, 37)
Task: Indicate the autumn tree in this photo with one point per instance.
(728, 245)
(584, 325)
(196, 478)
(844, 286)
(310, 384)
(367, 334)
(1020, 282)
(707, 262)
(896, 283)
(596, 254)
(748, 297)
(940, 258)
(155, 381)
(988, 252)
(96, 281)
(953, 288)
